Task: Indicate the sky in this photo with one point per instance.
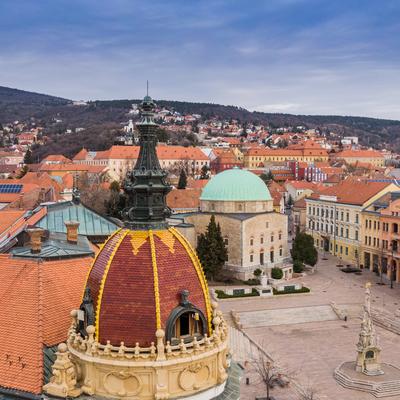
(337, 57)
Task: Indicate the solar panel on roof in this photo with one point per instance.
(10, 188)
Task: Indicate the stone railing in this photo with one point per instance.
(159, 350)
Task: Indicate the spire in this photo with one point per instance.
(145, 185)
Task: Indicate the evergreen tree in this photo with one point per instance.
(23, 171)
(303, 249)
(204, 172)
(182, 180)
(267, 178)
(211, 250)
(28, 157)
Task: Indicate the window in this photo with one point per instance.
(347, 217)
(280, 251)
(251, 241)
(347, 232)
(341, 216)
(280, 236)
(251, 258)
(356, 235)
(341, 231)
(271, 255)
(272, 237)
(347, 251)
(267, 225)
(226, 241)
(356, 218)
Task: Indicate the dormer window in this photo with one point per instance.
(185, 322)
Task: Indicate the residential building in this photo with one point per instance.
(305, 151)
(373, 157)
(333, 216)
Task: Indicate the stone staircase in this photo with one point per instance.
(378, 389)
(386, 320)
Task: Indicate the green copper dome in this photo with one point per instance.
(236, 185)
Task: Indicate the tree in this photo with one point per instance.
(269, 373)
(267, 177)
(303, 249)
(182, 180)
(28, 157)
(276, 273)
(306, 392)
(23, 171)
(211, 250)
(204, 172)
(257, 273)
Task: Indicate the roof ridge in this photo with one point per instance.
(40, 320)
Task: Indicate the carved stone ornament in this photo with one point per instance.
(122, 383)
(194, 377)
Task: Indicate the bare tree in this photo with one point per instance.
(308, 392)
(269, 373)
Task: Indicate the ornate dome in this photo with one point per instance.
(236, 185)
(137, 280)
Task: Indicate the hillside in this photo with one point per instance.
(103, 119)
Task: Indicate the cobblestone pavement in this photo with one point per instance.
(312, 350)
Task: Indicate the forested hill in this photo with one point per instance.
(21, 105)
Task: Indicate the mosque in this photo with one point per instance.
(255, 235)
(147, 327)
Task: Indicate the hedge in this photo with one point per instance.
(222, 295)
(292, 291)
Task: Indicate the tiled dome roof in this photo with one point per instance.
(136, 281)
(236, 185)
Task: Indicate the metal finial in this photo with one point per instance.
(147, 86)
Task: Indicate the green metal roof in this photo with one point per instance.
(236, 185)
(90, 223)
(56, 247)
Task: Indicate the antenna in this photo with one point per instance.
(147, 84)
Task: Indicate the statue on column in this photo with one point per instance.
(368, 350)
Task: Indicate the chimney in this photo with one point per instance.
(35, 235)
(72, 231)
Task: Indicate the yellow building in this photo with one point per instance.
(361, 156)
(308, 151)
(333, 216)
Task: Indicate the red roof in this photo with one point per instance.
(184, 198)
(57, 158)
(352, 191)
(163, 153)
(36, 301)
(358, 154)
(128, 307)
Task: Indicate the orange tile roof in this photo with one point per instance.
(184, 198)
(163, 153)
(73, 167)
(81, 155)
(36, 300)
(358, 154)
(299, 185)
(57, 158)
(352, 191)
(8, 218)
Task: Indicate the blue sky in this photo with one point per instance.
(295, 56)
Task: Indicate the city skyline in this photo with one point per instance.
(290, 56)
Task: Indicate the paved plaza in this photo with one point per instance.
(302, 333)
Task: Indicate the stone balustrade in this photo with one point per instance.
(156, 351)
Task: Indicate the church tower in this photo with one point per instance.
(147, 327)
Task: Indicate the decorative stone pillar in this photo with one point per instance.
(63, 381)
(368, 350)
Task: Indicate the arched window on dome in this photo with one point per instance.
(185, 322)
(85, 313)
